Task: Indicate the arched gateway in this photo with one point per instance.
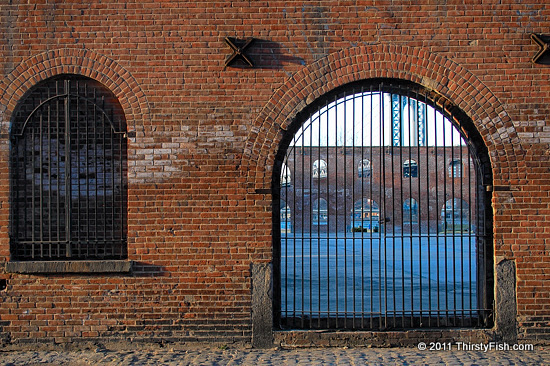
(386, 255)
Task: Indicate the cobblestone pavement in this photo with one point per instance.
(306, 356)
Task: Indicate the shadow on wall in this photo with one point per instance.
(264, 54)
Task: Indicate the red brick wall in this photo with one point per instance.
(206, 138)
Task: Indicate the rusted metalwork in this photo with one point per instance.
(543, 41)
(239, 49)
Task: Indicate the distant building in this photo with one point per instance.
(364, 191)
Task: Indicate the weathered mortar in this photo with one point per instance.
(203, 139)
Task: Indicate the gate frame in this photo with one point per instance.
(474, 144)
(445, 79)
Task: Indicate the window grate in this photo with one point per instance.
(68, 173)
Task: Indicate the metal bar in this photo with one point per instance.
(427, 215)
(327, 213)
(383, 210)
(454, 236)
(41, 183)
(77, 166)
(122, 158)
(33, 188)
(344, 188)
(349, 206)
(59, 180)
(472, 233)
(420, 136)
(411, 200)
(50, 173)
(371, 256)
(445, 237)
(353, 197)
(96, 173)
(310, 206)
(87, 165)
(438, 215)
(68, 172)
(397, 112)
(302, 238)
(105, 178)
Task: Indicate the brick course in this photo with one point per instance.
(203, 139)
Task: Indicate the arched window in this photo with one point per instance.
(319, 212)
(319, 169)
(68, 173)
(286, 179)
(286, 224)
(455, 168)
(455, 217)
(365, 216)
(410, 169)
(364, 169)
(410, 211)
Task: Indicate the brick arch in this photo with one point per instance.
(436, 73)
(74, 61)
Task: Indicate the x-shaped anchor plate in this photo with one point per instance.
(238, 52)
(542, 41)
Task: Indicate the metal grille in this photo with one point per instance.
(68, 173)
(381, 216)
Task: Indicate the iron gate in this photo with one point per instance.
(380, 213)
(68, 173)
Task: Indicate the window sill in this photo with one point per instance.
(100, 266)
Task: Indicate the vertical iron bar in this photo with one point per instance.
(420, 128)
(445, 237)
(399, 147)
(428, 204)
(462, 184)
(454, 234)
(41, 187)
(383, 195)
(344, 189)
(360, 181)
(77, 166)
(311, 268)
(438, 215)
(50, 173)
(33, 184)
(380, 227)
(68, 169)
(310, 210)
(112, 188)
(328, 216)
(345, 212)
(103, 162)
(88, 130)
(409, 148)
(471, 201)
(59, 182)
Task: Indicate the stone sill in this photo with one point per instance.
(100, 266)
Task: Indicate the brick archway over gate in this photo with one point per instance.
(74, 61)
(439, 74)
(449, 81)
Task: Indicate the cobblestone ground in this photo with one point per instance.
(307, 356)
